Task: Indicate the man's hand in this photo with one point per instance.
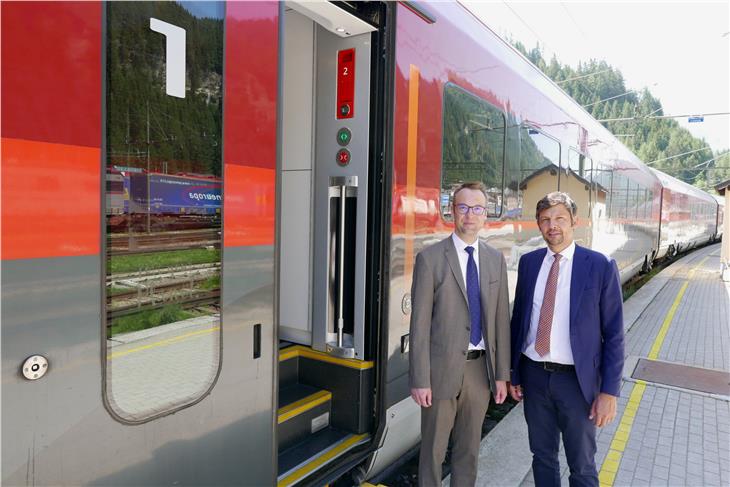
(515, 392)
(422, 397)
(501, 393)
(603, 409)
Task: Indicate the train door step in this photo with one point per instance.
(315, 452)
(303, 410)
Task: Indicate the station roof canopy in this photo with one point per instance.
(723, 186)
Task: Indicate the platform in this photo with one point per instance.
(673, 421)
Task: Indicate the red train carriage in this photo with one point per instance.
(270, 345)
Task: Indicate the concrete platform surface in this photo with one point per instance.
(662, 435)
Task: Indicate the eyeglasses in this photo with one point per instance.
(463, 209)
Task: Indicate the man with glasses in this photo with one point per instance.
(459, 340)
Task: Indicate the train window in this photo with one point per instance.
(576, 162)
(536, 172)
(602, 179)
(163, 205)
(577, 182)
(473, 148)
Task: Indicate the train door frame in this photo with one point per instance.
(382, 15)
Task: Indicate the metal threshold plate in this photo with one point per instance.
(683, 376)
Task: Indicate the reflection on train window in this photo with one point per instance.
(538, 170)
(163, 204)
(473, 148)
(576, 162)
(576, 181)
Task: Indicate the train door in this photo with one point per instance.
(326, 364)
(137, 329)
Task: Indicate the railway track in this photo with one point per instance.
(131, 243)
(184, 300)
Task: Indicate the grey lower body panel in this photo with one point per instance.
(57, 430)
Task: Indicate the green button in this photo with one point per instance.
(343, 136)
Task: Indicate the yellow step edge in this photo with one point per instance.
(298, 407)
(306, 352)
(310, 467)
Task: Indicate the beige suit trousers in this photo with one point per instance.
(463, 414)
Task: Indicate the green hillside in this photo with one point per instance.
(652, 139)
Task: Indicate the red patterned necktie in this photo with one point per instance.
(542, 342)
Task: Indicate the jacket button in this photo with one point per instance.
(468, 328)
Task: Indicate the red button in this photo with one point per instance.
(343, 157)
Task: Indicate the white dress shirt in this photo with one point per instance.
(463, 260)
(560, 349)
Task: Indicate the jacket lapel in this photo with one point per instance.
(578, 280)
(533, 269)
(453, 261)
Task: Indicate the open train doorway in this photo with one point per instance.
(326, 360)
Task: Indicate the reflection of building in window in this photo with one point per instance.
(545, 180)
(473, 147)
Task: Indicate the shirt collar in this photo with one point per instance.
(461, 245)
(566, 254)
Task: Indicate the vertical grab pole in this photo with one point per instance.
(341, 270)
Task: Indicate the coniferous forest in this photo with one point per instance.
(651, 139)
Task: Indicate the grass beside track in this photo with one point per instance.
(150, 319)
(119, 264)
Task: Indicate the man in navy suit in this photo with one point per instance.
(567, 345)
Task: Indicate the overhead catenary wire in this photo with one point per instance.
(639, 117)
(584, 76)
(679, 155)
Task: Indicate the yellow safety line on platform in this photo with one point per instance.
(319, 461)
(610, 466)
(162, 343)
(302, 351)
(298, 407)
(659, 341)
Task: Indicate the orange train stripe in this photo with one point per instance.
(412, 157)
(51, 199)
(249, 213)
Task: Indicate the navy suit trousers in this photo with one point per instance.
(554, 405)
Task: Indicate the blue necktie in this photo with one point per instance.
(475, 300)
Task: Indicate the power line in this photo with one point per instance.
(710, 160)
(577, 25)
(678, 155)
(637, 118)
(607, 99)
(526, 24)
(583, 76)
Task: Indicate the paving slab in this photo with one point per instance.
(663, 434)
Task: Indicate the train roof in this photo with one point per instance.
(605, 146)
(678, 186)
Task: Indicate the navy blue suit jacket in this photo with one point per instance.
(596, 319)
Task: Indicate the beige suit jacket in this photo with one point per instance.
(440, 323)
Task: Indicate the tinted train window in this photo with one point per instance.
(577, 182)
(473, 148)
(164, 96)
(602, 179)
(537, 172)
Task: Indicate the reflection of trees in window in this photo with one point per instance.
(473, 146)
(163, 174)
(185, 133)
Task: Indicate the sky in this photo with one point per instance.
(679, 50)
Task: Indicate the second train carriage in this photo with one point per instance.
(335, 134)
